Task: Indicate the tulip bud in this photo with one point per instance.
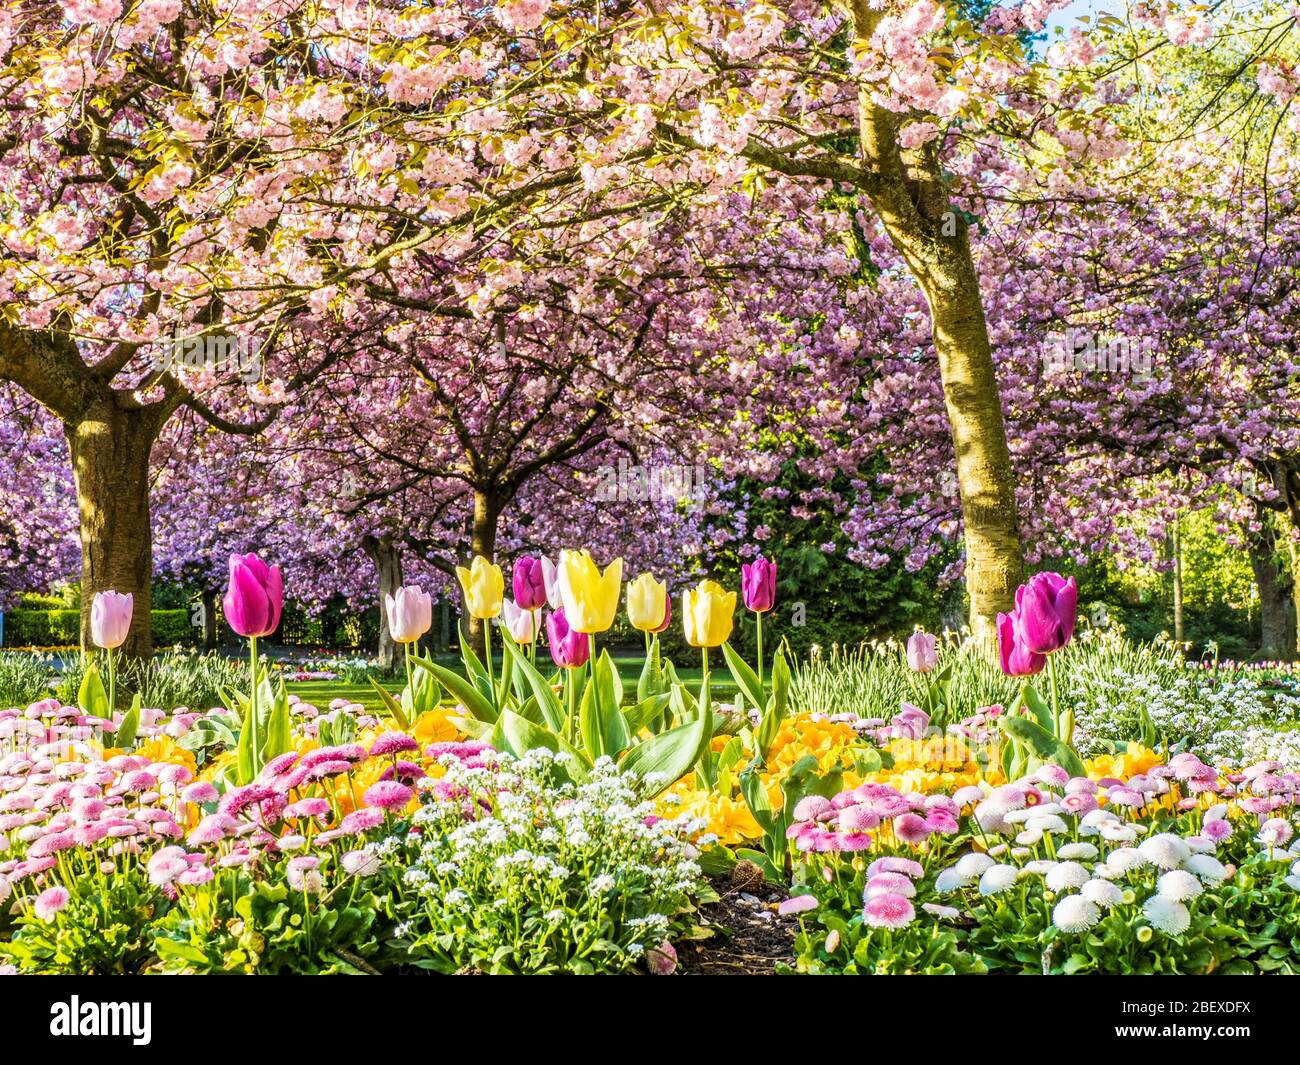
(110, 619)
(1045, 612)
(528, 582)
(708, 613)
(590, 597)
(410, 614)
(253, 600)
(1016, 660)
(758, 584)
(921, 656)
(484, 586)
(520, 623)
(569, 648)
(647, 603)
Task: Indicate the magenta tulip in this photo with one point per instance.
(569, 648)
(110, 619)
(252, 602)
(1016, 660)
(528, 583)
(1045, 612)
(758, 584)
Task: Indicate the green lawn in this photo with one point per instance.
(321, 693)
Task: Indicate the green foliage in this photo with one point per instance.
(871, 680)
(843, 602)
(268, 929)
(25, 677)
(61, 627)
(100, 931)
(658, 732)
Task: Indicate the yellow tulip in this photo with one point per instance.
(708, 612)
(484, 588)
(647, 602)
(590, 597)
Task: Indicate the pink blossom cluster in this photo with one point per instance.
(843, 823)
(66, 812)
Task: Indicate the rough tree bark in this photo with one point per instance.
(110, 435)
(483, 541)
(109, 447)
(908, 192)
(1275, 584)
(387, 557)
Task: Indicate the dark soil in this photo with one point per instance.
(749, 936)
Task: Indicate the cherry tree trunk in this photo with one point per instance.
(388, 566)
(908, 191)
(984, 476)
(109, 448)
(1276, 609)
(483, 541)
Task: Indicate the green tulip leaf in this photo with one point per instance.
(394, 708)
(1042, 744)
(665, 758)
(547, 700)
(125, 735)
(745, 677)
(465, 693)
(92, 698)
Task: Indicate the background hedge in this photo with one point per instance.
(61, 627)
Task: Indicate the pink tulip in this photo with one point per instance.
(528, 582)
(1016, 660)
(1045, 612)
(921, 655)
(110, 619)
(569, 648)
(253, 601)
(410, 614)
(758, 584)
(520, 623)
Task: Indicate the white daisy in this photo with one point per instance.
(1074, 913)
(1179, 885)
(1066, 875)
(1165, 850)
(998, 878)
(1208, 868)
(1166, 915)
(1103, 893)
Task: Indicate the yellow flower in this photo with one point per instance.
(433, 726)
(647, 602)
(164, 749)
(484, 588)
(1133, 760)
(707, 614)
(590, 597)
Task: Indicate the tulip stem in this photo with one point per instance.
(1056, 706)
(251, 723)
(410, 680)
(570, 683)
(487, 654)
(758, 620)
(112, 683)
(704, 658)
